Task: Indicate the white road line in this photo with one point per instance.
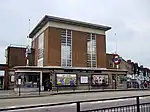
(68, 105)
(108, 101)
(73, 104)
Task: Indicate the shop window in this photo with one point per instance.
(121, 79)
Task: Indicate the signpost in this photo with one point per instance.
(116, 60)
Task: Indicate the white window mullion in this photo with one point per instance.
(40, 50)
(71, 49)
(66, 49)
(95, 51)
(91, 50)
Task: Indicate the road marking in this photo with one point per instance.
(108, 101)
(68, 105)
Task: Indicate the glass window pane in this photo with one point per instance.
(63, 32)
(68, 61)
(93, 63)
(40, 53)
(63, 62)
(68, 32)
(88, 63)
(94, 58)
(68, 41)
(63, 41)
(88, 56)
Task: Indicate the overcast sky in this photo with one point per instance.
(129, 19)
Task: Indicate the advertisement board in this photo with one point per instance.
(84, 79)
(66, 79)
(98, 79)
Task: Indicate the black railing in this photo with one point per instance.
(103, 105)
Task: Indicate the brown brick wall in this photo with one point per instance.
(31, 57)
(16, 56)
(46, 46)
(109, 63)
(35, 47)
(101, 51)
(79, 49)
(54, 47)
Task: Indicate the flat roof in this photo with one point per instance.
(47, 18)
(71, 68)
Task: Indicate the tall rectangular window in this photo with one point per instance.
(66, 47)
(91, 50)
(40, 49)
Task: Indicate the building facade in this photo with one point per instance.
(63, 42)
(123, 64)
(67, 50)
(15, 56)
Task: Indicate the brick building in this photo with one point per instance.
(55, 37)
(123, 64)
(15, 56)
(63, 46)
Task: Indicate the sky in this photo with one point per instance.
(129, 19)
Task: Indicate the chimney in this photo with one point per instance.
(129, 61)
(141, 66)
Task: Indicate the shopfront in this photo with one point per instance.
(1, 82)
(65, 78)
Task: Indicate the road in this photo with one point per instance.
(73, 97)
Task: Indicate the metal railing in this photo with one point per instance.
(137, 106)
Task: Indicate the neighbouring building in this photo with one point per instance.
(123, 64)
(15, 56)
(65, 50)
(127, 65)
(4, 75)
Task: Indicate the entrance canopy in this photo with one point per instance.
(53, 68)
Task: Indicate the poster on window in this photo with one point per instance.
(84, 79)
(66, 79)
(99, 79)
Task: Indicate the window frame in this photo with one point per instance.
(66, 54)
(91, 51)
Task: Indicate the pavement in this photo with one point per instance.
(10, 94)
(62, 98)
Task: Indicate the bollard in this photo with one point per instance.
(89, 86)
(78, 106)
(39, 89)
(19, 91)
